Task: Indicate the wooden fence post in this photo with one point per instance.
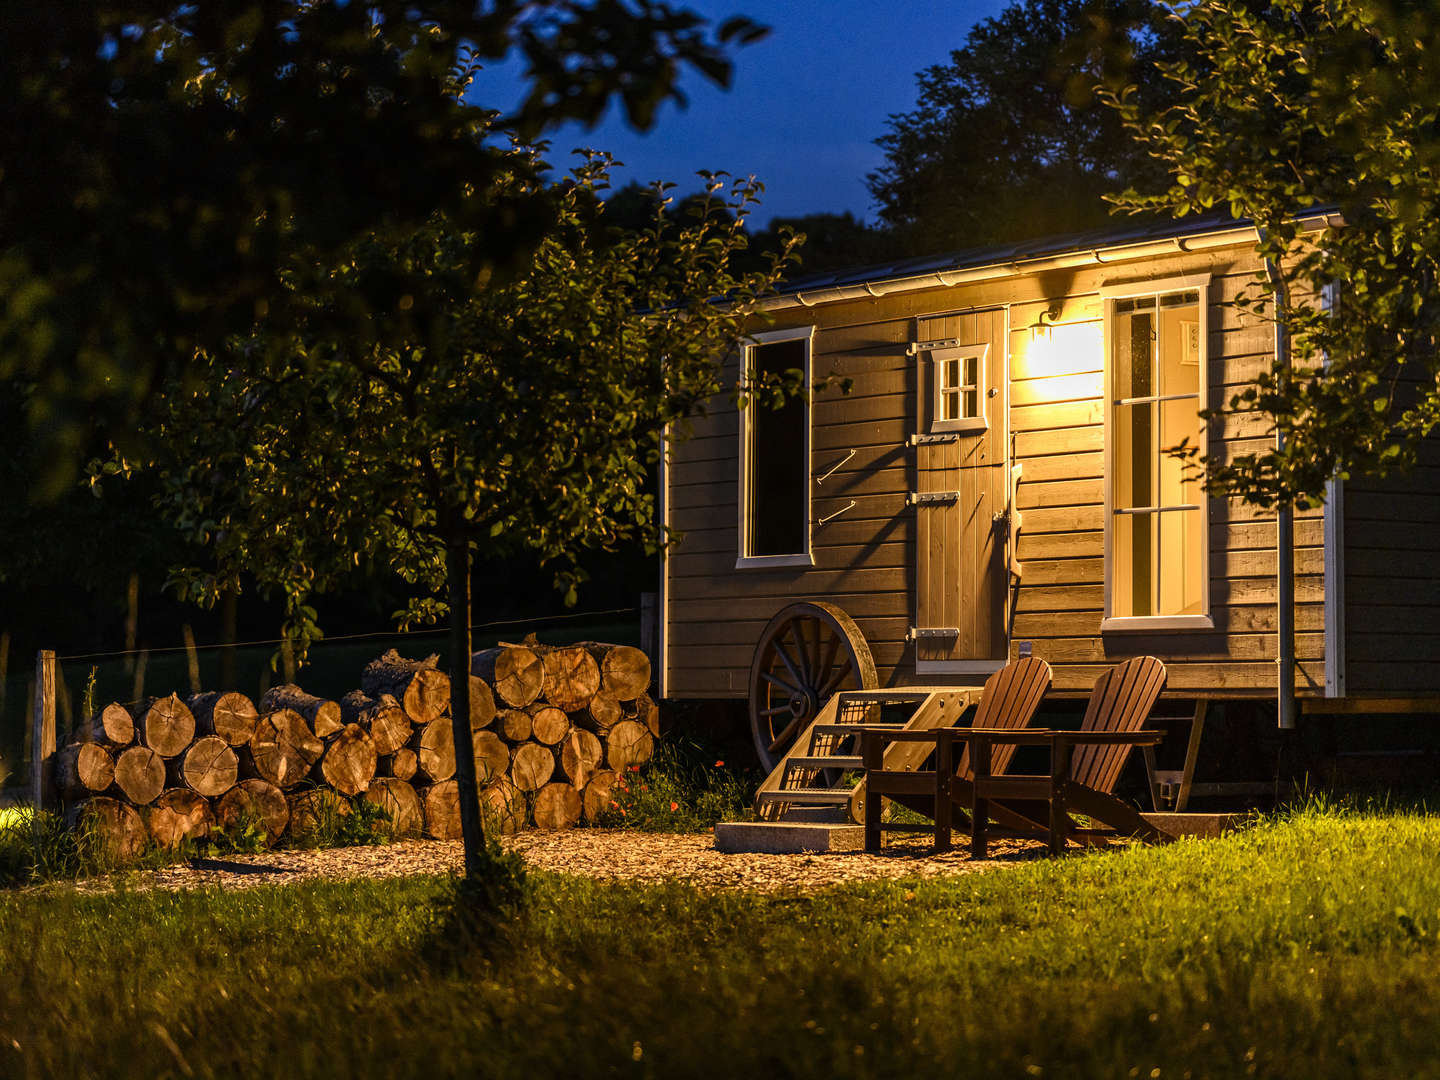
(42, 733)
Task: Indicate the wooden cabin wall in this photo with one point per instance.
(865, 559)
(1392, 580)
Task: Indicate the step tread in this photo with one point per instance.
(812, 796)
(827, 761)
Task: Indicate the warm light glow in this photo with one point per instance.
(1063, 349)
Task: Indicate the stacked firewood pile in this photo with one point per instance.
(552, 729)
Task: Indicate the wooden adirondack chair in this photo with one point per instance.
(1008, 702)
(1083, 774)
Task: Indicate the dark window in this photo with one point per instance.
(776, 514)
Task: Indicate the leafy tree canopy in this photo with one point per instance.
(1293, 105)
(1007, 140)
(171, 172)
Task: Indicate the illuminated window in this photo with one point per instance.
(1156, 543)
(775, 457)
(959, 378)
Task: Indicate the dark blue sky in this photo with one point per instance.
(805, 105)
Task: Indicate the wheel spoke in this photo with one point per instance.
(802, 658)
(837, 679)
(799, 685)
(832, 647)
(777, 709)
(775, 680)
(787, 734)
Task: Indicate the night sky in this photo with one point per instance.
(805, 106)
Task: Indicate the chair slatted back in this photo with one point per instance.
(1009, 700)
(1121, 701)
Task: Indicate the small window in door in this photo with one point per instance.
(958, 377)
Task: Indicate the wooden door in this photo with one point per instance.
(962, 516)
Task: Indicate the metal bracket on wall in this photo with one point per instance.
(915, 633)
(831, 517)
(916, 498)
(926, 440)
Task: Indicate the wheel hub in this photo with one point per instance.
(804, 703)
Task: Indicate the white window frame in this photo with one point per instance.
(1199, 284)
(744, 560)
(980, 354)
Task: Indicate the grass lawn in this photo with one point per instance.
(1305, 947)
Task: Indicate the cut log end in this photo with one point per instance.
(628, 743)
(531, 766)
(166, 725)
(178, 815)
(116, 829)
(209, 767)
(254, 803)
(558, 806)
(140, 774)
(400, 803)
(230, 716)
(350, 760)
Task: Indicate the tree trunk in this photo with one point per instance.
(581, 755)
(531, 766)
(398, 799)
(434, 747)
(602, 713)
(492, 756)
(83, 770)
(514, 672)
(628, 743)
(548, 724)
(472, 827)
(166, 725)
(646, 712)
(571, 678)
(282, 751)
(503, 807)
(597, 794)
(140, 774)
(624, 669)
(254, 801)
(382, 717)
(442, 812)
(179, 815)
(401, 765)
(229, 714)
(208, 767)
(422, 690)
(349, 762)
(117, 829)
(229, 626)
(515, 725)
(112, 727)
(557, 806)
(322, 714)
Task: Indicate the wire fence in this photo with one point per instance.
(85, 681)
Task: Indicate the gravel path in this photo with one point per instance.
(606, 854)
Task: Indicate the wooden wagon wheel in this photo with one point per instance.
(807, 653)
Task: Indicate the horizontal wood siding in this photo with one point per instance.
(864, 558)
(1392, 581)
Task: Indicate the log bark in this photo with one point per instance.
(624, 669)
(322, 714)
(401, 765)
(531, 766)
(558, 806)
(112, 727)
(230, 715)
(434, 746)
(503, 807)
(398, 799)
(282, 750)
(140, 774)
(492, 756)
(482, 704)
(514, 672)
(311, 808)
(255, 801)
(442, 810)
(350, 759)
(581, 756)
(628, 743)
(548, 724)
(571, 677)
(208, 767)
(515, 725)
(116, 828)
(597, 794)
(84, 769)
(179, 815)
(166, 725)
(422, 690)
